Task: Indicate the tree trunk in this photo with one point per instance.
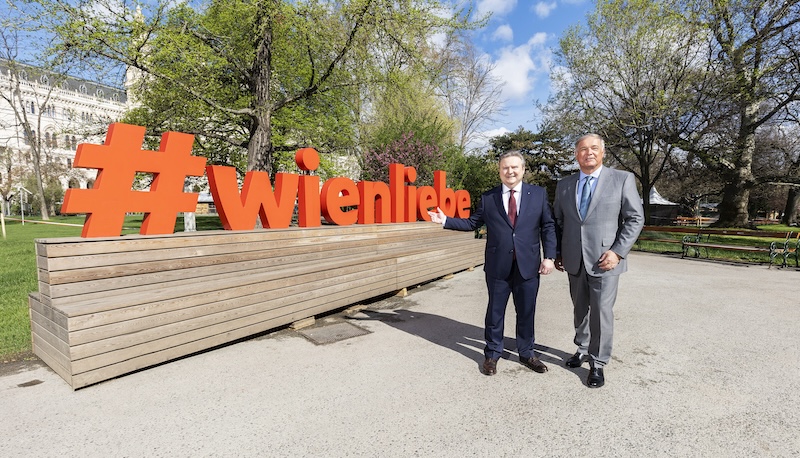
(260, 150)
(37, 168)
(790, 211)
(736, 194)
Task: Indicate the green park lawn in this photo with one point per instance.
(18, 269)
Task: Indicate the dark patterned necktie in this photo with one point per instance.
(512, 209)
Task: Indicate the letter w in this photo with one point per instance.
(238, 211)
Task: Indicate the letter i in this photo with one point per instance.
(411, 195)
(308, 208)
(396, 192)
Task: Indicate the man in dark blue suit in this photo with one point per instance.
(519, 225)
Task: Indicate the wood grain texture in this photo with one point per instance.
(109, 306)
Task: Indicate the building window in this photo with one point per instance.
(47, 139)
(74, 142)
(82, 89)
(54, 140)
(44, 80)
(69, 162)
(23, 75)
(115, 97)
(99, 93)
(73, 184)
(32, 108)
(90, 184)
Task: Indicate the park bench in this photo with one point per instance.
(693, 220)
(785, 250)
(707, 238)
(659, 233)
(110, 306)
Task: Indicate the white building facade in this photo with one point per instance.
(61, 112)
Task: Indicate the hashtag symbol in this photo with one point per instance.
(117, 162)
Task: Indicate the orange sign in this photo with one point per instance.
(340, 200)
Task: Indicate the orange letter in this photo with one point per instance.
(396, 173)
(411, 195)
(374, 195)
(308, 212)
(332, 202)
(462, 204)
(238, 212)
(447, 198)
(426, 200)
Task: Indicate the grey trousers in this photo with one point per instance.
(593, 301)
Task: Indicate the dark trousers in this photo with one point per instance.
(524, 293)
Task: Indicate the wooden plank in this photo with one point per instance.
(88, 314)
(84, 279)
(42, 350)
(139, 362)
(35, 302)
(136, 330)
(78, 246)
(58, 332)
(40, 328)
(225, 325)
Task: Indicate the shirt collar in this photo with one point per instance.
(517, 188)
(594, 174)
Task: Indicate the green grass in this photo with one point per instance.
(18, 268)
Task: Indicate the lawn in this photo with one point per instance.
(18, 267)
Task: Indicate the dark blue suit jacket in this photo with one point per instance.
(535, 231)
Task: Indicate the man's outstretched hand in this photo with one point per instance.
(438, 216)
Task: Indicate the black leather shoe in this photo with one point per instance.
(596, 378)
(533, 363)
(576, 360)
(490, 366)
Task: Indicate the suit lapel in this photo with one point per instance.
(498, 199)
(602, 179)
(572, 189)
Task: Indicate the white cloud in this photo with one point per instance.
(519, 68)
(543, 9)
(496, 7)
(481, 142)
(503, 33)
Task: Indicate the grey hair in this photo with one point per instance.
(584, 137)
(512, 153)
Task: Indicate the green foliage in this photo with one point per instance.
(546, 159)
(474, 173)
(260, 77)
(409, 125)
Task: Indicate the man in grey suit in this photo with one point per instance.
(599, 216)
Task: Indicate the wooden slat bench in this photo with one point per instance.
(706, 239)
(107, 307)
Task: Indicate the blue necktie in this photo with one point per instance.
(586, 196)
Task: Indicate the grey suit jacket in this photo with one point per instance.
(613, 221)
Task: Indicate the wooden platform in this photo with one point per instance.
(107, 307)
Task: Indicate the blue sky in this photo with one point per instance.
(520, 39)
